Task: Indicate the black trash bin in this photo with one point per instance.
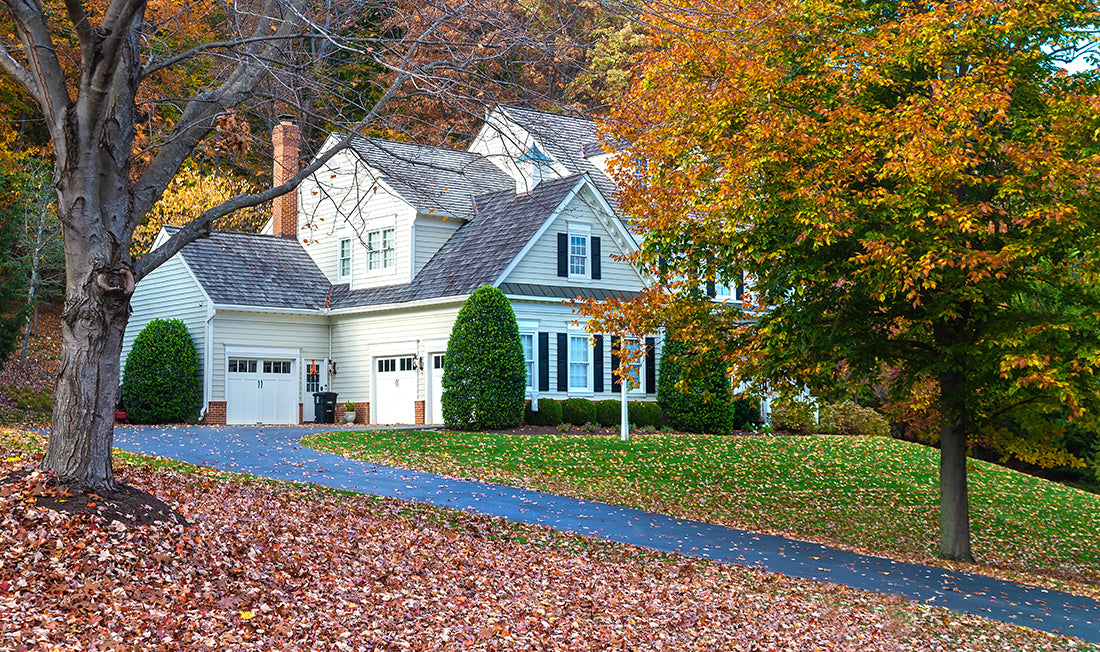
(324, 407)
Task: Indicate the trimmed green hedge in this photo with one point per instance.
(549, 413)
(609, 413)
(484, 373)
(746, 413)
(578, 411)
(694, 391)
(160, 382)
(645, 413)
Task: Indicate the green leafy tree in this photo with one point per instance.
(900, 183)
(694, 390)
(484, 372)
(160, 382)
(13, 312)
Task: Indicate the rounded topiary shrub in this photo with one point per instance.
(609, 413)
(160, 382)
(548, 414)
(484, 373)
(694, 392)
(645, 414)
(578, 411)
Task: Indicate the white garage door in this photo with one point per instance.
(435, 369)
(395, 390)
(260, 391)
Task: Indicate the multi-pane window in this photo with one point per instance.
(345, 258)
(578, 255)
(380, 253)
(276, 366)
(578, 362)
(387, 364)
(634, 370)
(238, 366)
(529, 358)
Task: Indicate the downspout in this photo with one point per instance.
(208, 360)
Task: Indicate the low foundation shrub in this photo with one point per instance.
(609, 413)
(578, 410)
(548, 414)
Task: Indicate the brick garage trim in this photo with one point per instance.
(419, 409)
(215, 413)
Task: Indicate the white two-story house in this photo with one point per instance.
(356, 283)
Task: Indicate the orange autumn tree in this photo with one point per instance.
(911, 186)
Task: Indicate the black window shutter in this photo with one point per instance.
(563, 362)
(596, 272)
(544, 362)
(597, 363)
(563, 254)
(712, 290)
(650, 365)
(615, 385)
(740, 285)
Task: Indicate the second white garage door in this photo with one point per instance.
(395, 382)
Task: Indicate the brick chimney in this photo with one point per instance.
(286, 138)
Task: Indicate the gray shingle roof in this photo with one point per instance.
(433, 179)
(568, 140)
(478, 251)
(249, 269)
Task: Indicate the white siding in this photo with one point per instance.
(168, 292)
(553, 318)
(346, 200)
(358, 338)
(540, 264)
(504, 143)
(307, 333)
(430, 235)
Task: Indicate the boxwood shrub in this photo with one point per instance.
(609, 413)
(578, 411)
(160, 382)
(746, 413)
(484, 373)
(645, 413)
(694, 391)
(847, 418)
(549, 413)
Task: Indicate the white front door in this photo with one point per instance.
(435, 372)
(260, 391)
(395, 390)
(315, 379)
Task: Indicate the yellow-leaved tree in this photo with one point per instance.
(188, 195)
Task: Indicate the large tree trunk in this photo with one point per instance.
(954, 495)
(92, 325)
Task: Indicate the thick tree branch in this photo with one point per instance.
(42, 63)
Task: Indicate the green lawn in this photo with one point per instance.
(874, 494)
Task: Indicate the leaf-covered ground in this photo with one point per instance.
(269, 566)
(875, 495)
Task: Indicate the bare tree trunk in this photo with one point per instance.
(954, 493)
(82, 432)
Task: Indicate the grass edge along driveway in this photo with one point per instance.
(874, 495)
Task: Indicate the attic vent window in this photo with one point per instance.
(540, 165)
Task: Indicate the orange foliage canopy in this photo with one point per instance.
(905, 185)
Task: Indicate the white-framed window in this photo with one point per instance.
(580, 365)
(343, 268)
(528, 340)
(579, 250)
(380, 251)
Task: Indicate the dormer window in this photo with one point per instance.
(540, 163)
(380, 252)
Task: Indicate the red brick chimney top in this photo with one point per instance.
(286, 137)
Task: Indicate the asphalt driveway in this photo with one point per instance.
(275, 452)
